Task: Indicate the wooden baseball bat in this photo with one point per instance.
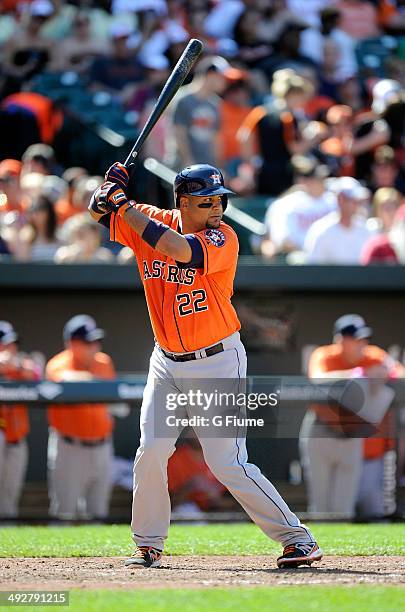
(173, 84)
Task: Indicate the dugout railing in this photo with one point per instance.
(296, 393)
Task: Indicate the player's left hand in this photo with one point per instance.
(109, 197)
(117, 173)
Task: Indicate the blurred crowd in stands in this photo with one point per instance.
(300, 102)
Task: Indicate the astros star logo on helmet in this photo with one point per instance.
(216, 179)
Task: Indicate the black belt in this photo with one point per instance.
(212, 350)
(15, 442)
(89, 443)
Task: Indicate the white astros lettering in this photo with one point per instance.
(168, 272)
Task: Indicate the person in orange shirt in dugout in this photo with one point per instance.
(331, 438)
(80, 442)
(14, 422)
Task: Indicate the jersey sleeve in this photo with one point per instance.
(318, 363)
(220, 248)
(121, 232)
(54, 370)
(106, 366)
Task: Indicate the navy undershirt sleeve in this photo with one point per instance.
(197, 255)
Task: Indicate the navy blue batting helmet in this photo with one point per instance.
(200, 180)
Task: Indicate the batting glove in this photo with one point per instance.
(109, 198)
(117, 173)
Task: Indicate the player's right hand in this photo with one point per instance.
(117, 173)
(109, 197)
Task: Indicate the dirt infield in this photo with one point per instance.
(194, 572)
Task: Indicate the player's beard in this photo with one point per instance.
(213, 225)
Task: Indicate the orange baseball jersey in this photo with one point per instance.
(14, 418)
(83, 421)
(329, 358)
(189, 308)
(14, 421)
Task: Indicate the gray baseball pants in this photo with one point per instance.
(226, 456)
(13, 467)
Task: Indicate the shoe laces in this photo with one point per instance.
(305, 548)
(147, 551)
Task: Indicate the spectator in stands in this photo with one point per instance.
(78, 50)
(38, 241)
(350, 93)
(281, 125)
(251, 48)
(287, 50)
(320, 102)
(32, 116)
(14, 422)
(120, 68)
(385, 171)
(336, 149)
(39, 158)
(82, 191)
(340, 237)
(13, 204)
(276, 16)
(384, 125)
(80, 444)
(234, 108)
(10, 170)
(126, 256)
(196, 116)
(222, 18)
(313, 9)
(159, 30)
(31, 185)
(387, 248)
(64, 207)
(359, 18)
(83, 236)
(385, 204)
(289, 218)
(329, 69)
(332, 457)
(143, 100)
(27, 52)
(314, 38)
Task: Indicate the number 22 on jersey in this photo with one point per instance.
(189, 303)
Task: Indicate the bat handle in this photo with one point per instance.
(130, 160)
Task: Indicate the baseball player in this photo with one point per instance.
(187, 259)
(80, 442)
(14, 422)
(331, 452)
